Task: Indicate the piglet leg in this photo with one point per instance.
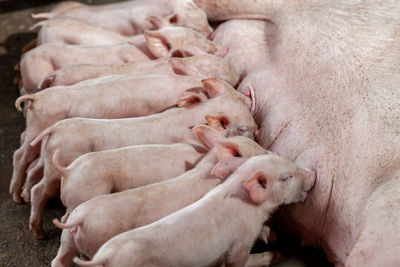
(67, 250)
(41, 192)
(22, 157)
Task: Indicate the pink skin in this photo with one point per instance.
(129, 17)
(117, 97)
(39, 62)
(200, 65)
(252, 52)
(218, 10)
(144, 205)
(332, 106)
(167, 39)
(70, 31)
(225, 111)
(95, 173)
(228, 219)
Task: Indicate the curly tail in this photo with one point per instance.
(22, 99)
(65, 225)
(62, 170)
(37, 25)
(44, 15)
(41, 136)
(80, 262)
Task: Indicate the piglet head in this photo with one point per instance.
(188, 14)
(223, 108)
(232, 152)
(202, 65)
(234, 120)
(164, 41)
(273, 178)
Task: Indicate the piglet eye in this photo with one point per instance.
(285, 178)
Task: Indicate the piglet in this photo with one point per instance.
(227, 111)
(71, 31)
(129, 17)
(227, 220)
(39, 62)
(205, 65)
(144, 205)
(110, 97)
(115, 170)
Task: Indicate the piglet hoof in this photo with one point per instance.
(17, 197)
(36, 229)
(26, 196)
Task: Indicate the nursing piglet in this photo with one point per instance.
(147, 204)
(39, 62)
(115, 170)
(202, 65)
(71, 31)
(129, 17)
(110, 97)
(227, 111)
(218, 229)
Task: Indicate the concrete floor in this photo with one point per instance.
(17, 246)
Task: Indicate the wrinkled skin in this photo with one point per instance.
(110, 97)
(251, 53)
(144, 205)
(228, 219)
(172, 126)
(329, 100)
(116, 170)
(200, 65)
(39, 62)
(129, 17)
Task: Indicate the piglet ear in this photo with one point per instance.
(157, 44)
(213, 87)
(226, 150)
(189, 50)
(227, 166)
(181, 67)
(172, 19)
(191, 96)
(206, 135)
(256, 187)
(221, 51)
(219, 123)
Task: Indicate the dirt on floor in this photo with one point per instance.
(17, 245)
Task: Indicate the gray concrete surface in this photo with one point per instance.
(17, 246)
